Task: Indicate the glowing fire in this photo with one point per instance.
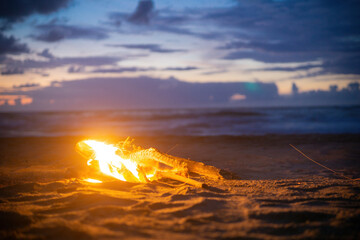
(127, 162)
(114, 165)
(90, 180)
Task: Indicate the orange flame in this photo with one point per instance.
(112, 164)
(91, 180)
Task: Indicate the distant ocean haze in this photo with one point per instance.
(191, 122)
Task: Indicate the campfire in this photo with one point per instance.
(127, 162)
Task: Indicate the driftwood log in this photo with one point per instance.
(182, 164)
(162, 171)
(166, 166)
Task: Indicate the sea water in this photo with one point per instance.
(193, 122)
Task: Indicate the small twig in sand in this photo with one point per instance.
(339, 174)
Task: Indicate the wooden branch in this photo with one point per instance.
(182, 179)
(152, 157)
(144, 159)
(207, 170)
(183, 164)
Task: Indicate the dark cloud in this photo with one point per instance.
(2, 58)
(166, 20)
(189, 22)
(84, 61)
(150, 47)
(142, 12)
(289, 69)
(10, 45)
(12, 71)
(207, 35)
(160, 25)
(343, 64)
(171, 18)
(137, 69)
(16, 10)
(145, 14)
(269, 57)
(27, 85)
(75, 69)
(123, 69)
(294, 31)
(336, 65)
(59, 62)
(277, 31)
(59, 32)
(46, 54)
(115, 19)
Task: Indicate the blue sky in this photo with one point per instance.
(312, 44)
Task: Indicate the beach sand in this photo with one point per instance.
(281, 194)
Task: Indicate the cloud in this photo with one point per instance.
(46, 54)
(122, 69)
(59, 32)
(189, 68)
(60, 62)
(17, 10)
(10, 45)
(150, 47)
(165, 20)
(26, 86)
(289, 69)
(137, 69)
(270, 31)
(75, 69)
(214, 72)
(142, 12)
(344, 65)
(268, 57)
(293, 31)
(142, 92)
(11, 101)
(12, 71)
(237, 97)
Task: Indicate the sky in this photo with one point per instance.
(88, 54)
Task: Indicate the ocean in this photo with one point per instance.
(190, 122)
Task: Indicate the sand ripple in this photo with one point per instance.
(72, 209)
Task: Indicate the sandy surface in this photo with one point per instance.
(281, 194)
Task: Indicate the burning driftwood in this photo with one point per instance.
(128, 162)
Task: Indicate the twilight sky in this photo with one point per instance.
(63, 54)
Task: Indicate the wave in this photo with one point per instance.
(257, 121)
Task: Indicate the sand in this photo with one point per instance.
(281, 194)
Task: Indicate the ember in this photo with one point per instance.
(128, 162)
